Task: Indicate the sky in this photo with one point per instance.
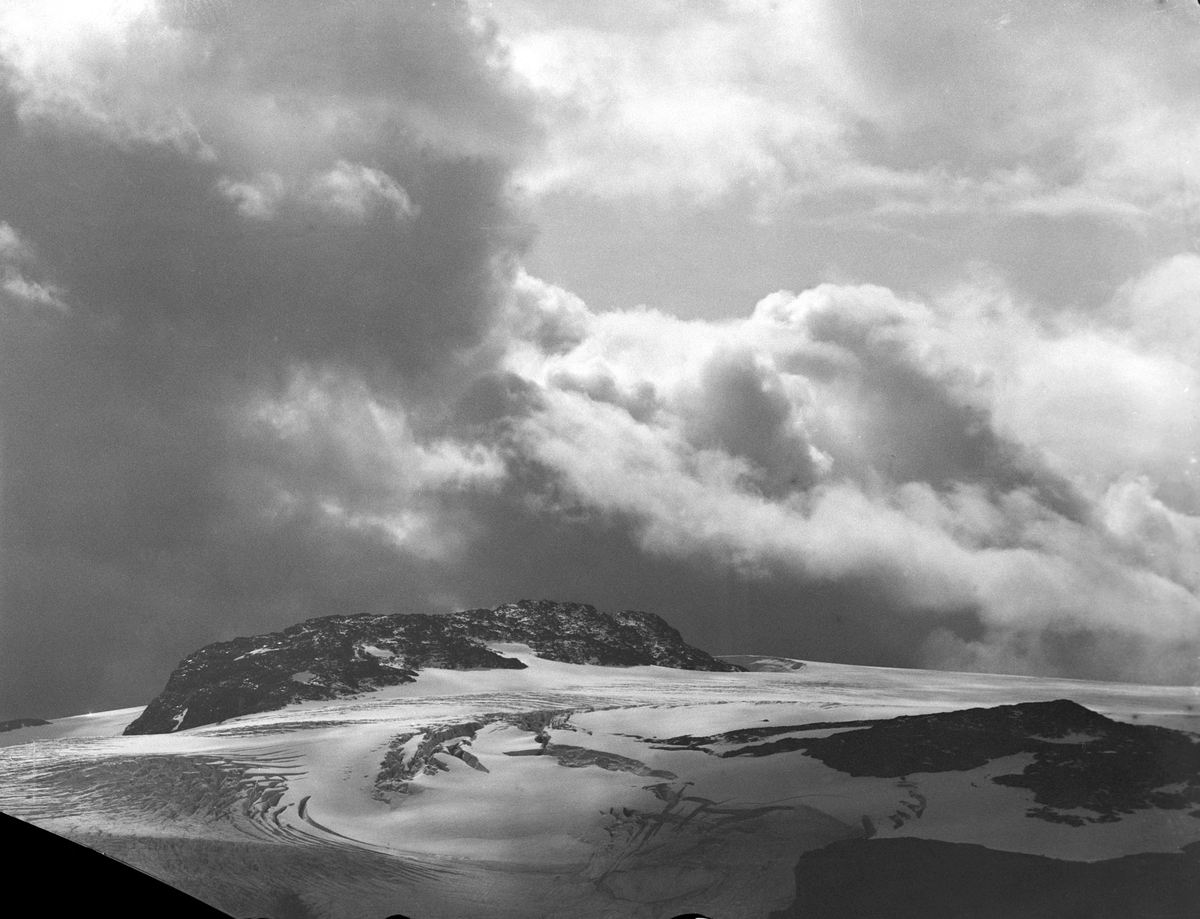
(853, 331)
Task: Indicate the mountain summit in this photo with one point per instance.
(336, 656)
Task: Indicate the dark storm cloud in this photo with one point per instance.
(145, 240)
(283, 206)
(556, 546)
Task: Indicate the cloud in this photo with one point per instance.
(695, 103)
(848, 436)
(333, 448)
(20, 290)
(11, 247)
(346, 192)
(1158, 309)
(893, 109)
(284, 235)
(31, 292)
(1096, 403)
(267, 350)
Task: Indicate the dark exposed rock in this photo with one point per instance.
(404, 760)
(416, 752)
(906, 878)
(29, 850)
(746, 735)
(577, 757)
(758, 663)
(1081, 760)
(17, 723)
(539, 722)
(336, 656)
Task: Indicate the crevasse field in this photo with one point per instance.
(560, 790)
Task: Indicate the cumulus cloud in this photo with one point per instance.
(847, 435)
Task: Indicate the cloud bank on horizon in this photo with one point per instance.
(289, 327)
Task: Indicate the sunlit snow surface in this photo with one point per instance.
(545, 791)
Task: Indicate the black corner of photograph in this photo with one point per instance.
(98, 884)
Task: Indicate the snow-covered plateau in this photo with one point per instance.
(642, 792)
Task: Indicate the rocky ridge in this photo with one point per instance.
(910, 878)
(336, 656)
(1086, 768)
(18, 723)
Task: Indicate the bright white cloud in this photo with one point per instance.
(31, 293)
(959, 452)
(1103, 408)
(16, 260)
(905, 108)
(353, 191)
(256, 199)
(348, 192)
(1161, 309)
(12, 249)
(697, 106)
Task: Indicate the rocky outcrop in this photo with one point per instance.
(412, 754)
(1082, 761)
(908, 878)
(757, 663)
(336, 656)
(17, 723)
